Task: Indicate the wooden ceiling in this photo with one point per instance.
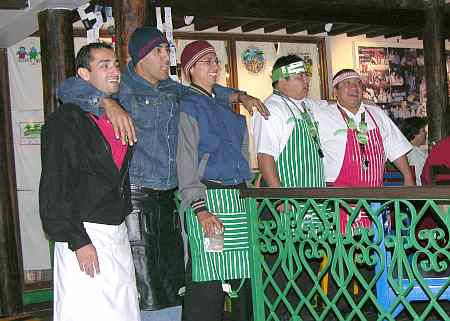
(13, 4)
(388, 18)
(373, 18)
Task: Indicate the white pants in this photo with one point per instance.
(110, 295)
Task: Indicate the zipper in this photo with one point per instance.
(125, 171)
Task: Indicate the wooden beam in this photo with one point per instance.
(396, 32)
(316, 28)
(411, 35)
(227, 25)
(11, 268)
(254, 25)
(13, 4)
(129, 15)
(358, 32)
(178, 22)
(203, 24)
(438, 110)
(296, 27)
(57, 53)
(344, 28)
(274, 27)
(319, 11)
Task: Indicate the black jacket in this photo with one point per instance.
(79, 181)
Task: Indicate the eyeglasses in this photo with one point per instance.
(210, 62)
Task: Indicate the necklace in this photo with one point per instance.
(307, 117)
(360, 132)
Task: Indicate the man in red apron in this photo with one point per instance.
(357, 139)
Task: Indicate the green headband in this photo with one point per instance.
(285, 71)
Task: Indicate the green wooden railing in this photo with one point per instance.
(373, 273)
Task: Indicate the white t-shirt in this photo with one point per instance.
(271, 135)
(333, 144)
(417, 157)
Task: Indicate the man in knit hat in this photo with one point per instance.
(151, 98)
(212, 165)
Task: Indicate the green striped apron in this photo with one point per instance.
(299, 164)
(233, 262)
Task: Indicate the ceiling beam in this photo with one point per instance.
(316, 28)
(343, 28)
(203, 24)
(410, 35)
(274, 27)
(13, 4)
(295, 10)
(227, 25)
(297, 27)
(254, 25)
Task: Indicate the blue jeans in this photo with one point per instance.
(168, 314)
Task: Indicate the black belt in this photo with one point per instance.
(153, 191)
(219, 185)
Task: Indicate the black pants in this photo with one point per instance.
(154, 231)
(204, 301)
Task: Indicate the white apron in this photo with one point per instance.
(110, 295)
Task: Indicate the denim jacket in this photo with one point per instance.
(79, 92)
(155, 111)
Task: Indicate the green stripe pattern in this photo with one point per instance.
(233, 262)
(299, 164)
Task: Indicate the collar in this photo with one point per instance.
(361, 110)
(200, 90)
(139, 85)
(79, 91)
(296, 102)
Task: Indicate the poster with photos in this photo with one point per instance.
(394, 78)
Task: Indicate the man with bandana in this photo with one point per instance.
(289, 155)
(288, 142)
(357, 139)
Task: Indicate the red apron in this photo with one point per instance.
(353, 174)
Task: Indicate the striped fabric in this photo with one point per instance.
(233, 262)
(299, 164)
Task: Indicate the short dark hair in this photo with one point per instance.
(340, 72)
(84, 55)
(284, 61)
(411, 126)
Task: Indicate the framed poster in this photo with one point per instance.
(393, 78)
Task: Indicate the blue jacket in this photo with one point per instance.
(213, 146)
(155, 111)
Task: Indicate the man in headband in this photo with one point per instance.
(290, 136)
(357, 139)
(289, 152)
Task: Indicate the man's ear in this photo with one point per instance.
(84, 73)
(335, 92)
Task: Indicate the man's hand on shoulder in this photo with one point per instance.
(250, 103)
(120, 120)
(88, 260)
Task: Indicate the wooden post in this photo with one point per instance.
(57, 53)
(436, 74)
(11, 267)
(129, 15)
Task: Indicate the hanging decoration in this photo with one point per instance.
(253, 60)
